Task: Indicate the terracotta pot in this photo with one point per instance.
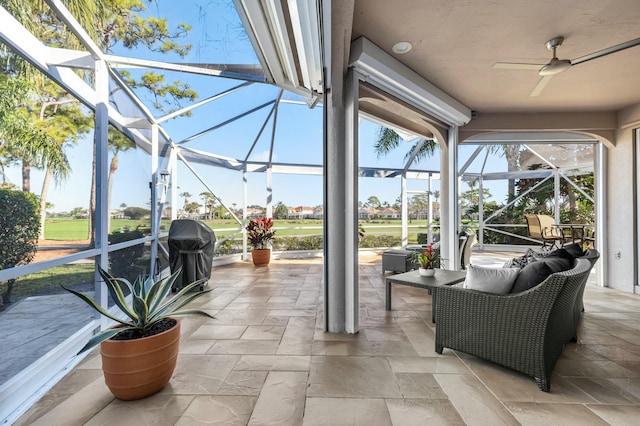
(261, 257)
(135, 369)
(426, 272)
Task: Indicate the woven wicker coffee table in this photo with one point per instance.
(414, 279)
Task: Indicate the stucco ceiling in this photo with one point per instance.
(456, 42)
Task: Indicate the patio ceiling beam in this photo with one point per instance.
(275, 124)
(131, 94)
(25, 44)
(470, 160)
(224, 123)
(239, 72)
(94, 50)
(207, 158)
(518, 198)
(203, 102)
(70, 58)
(537, 154)
(75, 27)
(264, 126)
(414, 153)
(528, 174)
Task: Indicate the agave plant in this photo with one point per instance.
(147, 307)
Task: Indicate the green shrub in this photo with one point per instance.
(229, 247)
(145, 229)
(124, 263)
(369, 241)
(423, 238)
(19, 230)
(310, 242)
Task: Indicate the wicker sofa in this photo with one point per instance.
(523, 331)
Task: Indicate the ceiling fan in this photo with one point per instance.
(555, 66)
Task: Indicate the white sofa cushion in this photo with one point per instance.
(490, 279)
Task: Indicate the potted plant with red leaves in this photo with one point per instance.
(260, 234)
(428, 260)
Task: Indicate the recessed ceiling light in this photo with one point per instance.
(402, 47)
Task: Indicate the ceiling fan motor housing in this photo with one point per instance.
(555, 66)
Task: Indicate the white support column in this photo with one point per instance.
(405, 210)
(600, 173)
(430, 209)
(245, 197)
(101, 221)
(352, 301)
(448, 194)
(341, 209)
(480, 213)
(556, 195)
(173, 160)
(269, 191)
(155, 206)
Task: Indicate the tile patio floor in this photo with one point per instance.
(265, 360)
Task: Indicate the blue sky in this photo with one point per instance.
(217, 37)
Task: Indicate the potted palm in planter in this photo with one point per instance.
(140, 353)
(260, 234)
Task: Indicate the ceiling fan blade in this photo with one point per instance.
(542, 82)
(516, 66)
(607, 51)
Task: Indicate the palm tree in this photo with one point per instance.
(186, 196)
(45, 112)
(436, 195)
(388, 140)
(209, 201)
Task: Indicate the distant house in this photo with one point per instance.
(389, 213)
(252, 212)
(373, 213)
(318, 212)
(367, 213)
(117, 214)
(300, 212)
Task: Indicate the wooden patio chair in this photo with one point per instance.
(465, 250)
(542, 227)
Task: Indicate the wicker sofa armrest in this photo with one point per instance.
(525, 331)
(514, 323)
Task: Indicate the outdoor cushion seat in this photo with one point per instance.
(524, 331)
(398, 261)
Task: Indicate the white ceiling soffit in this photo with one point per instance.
(529, 137)
(403, 133)
(384, 71)
(286, 38)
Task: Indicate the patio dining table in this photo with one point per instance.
(576, 232)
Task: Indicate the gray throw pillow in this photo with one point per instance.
(530, 276)
(491, 280)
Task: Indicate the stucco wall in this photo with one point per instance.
(620, 204)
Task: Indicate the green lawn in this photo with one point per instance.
(77, 276)
(77, 229)
(66, 228)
